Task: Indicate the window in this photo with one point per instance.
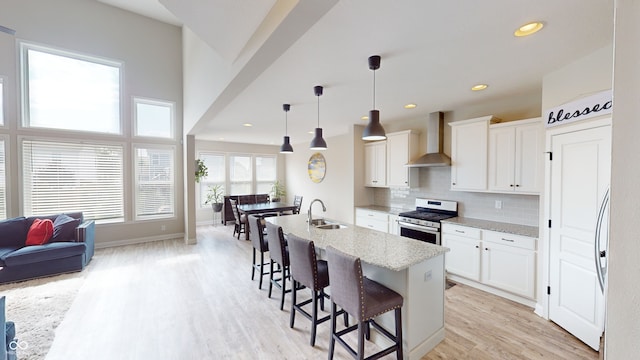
(64, 176)
(1, 102)
(240, 176)
(153, 118)
(69, 91)
(265, 173)
(216, 169)
(3, 183)
(155, 176)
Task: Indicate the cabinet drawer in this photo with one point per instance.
(375, 215)
(465, 231)
(373, 224)
(524, 242)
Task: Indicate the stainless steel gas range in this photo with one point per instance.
(424, 222)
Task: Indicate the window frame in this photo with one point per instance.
(2, 102)
(204, 184)
(149, 101)
(25, 46)
(4, 140)
(134, 172)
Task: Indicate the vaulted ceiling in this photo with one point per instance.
(432, 53)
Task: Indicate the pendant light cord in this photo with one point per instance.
(318, 110)
(374, 89)
(286, 127)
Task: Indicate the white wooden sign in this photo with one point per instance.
(581, 109)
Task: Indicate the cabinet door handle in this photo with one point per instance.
(517, 185)
(487, 249)
(511, 185)
(459, 231)
(477, 247)
(509, 240)
(453, 183)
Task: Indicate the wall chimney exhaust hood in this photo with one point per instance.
(435, 134)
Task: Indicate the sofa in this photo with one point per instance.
(69, 248)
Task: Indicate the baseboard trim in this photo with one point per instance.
(108, 244)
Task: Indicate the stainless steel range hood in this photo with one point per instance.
(435, 134)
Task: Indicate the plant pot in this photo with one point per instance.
(217, 207)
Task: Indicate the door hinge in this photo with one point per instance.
(549, 223)
(548, 290)
(550, 155)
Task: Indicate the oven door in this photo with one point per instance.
(418, 232)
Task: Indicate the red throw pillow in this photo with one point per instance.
(40, 232)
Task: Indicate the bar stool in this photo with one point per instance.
(259, 243)
(279, 254)
(364, 299)
(307, 271)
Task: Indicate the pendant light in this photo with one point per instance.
(374, 130)
(286, 147)
(318, 142)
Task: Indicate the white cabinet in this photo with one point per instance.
(509, 262)
(469, 154)
(394, 228)
(491, 260)
(515, 156)
(401, 148)
(375, 160)
(464, 256)
(371, 219)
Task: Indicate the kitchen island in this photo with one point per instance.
(412, 268)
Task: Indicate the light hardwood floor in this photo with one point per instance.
(167, 300)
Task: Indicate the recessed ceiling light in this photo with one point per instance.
(247, 125)
(364, 117)
(410, 106)
(479, 87)
(528, 29)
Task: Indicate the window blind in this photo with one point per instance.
(3, 182)
(67, 176)
(216, 169)
(154, 182)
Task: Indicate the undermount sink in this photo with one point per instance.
(326, 225)
(331, 226)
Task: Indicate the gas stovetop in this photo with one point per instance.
(430, 212)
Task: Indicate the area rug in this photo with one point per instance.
(37, 307)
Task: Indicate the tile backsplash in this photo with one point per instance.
(434, 184)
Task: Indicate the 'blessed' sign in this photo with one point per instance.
(582, 109)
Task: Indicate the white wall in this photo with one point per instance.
(152, 56)
(623, 295)
(337, 188)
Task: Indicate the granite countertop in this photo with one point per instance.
(524, 230)
(373, 247)
(384, 209)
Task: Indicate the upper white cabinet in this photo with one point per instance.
(469, 140)
(375, 160)
(401, 147)
(515, 156)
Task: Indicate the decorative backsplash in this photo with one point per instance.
(434, 184)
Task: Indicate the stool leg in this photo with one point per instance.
(314, 317)
(322, 299)
(398, 312)
(253, 266)
(261, 269)
(361, 330)
(294, 289)
(332, 340)
(367, 331)
(284, 285)
(270, 277)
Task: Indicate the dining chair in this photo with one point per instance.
(260, 244)
(297, 202)
(279, 254)
(364, 299)
(240, 225)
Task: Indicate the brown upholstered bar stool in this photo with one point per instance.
(260, 244)
(279, 255)
(307, 271)
(363, 299)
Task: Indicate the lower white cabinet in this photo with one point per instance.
(394, 228)
(498, 260)
(371, 219)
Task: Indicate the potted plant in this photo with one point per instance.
(277, 191)
(201, 170)
(214, 197)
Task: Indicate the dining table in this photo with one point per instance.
(266, 208)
